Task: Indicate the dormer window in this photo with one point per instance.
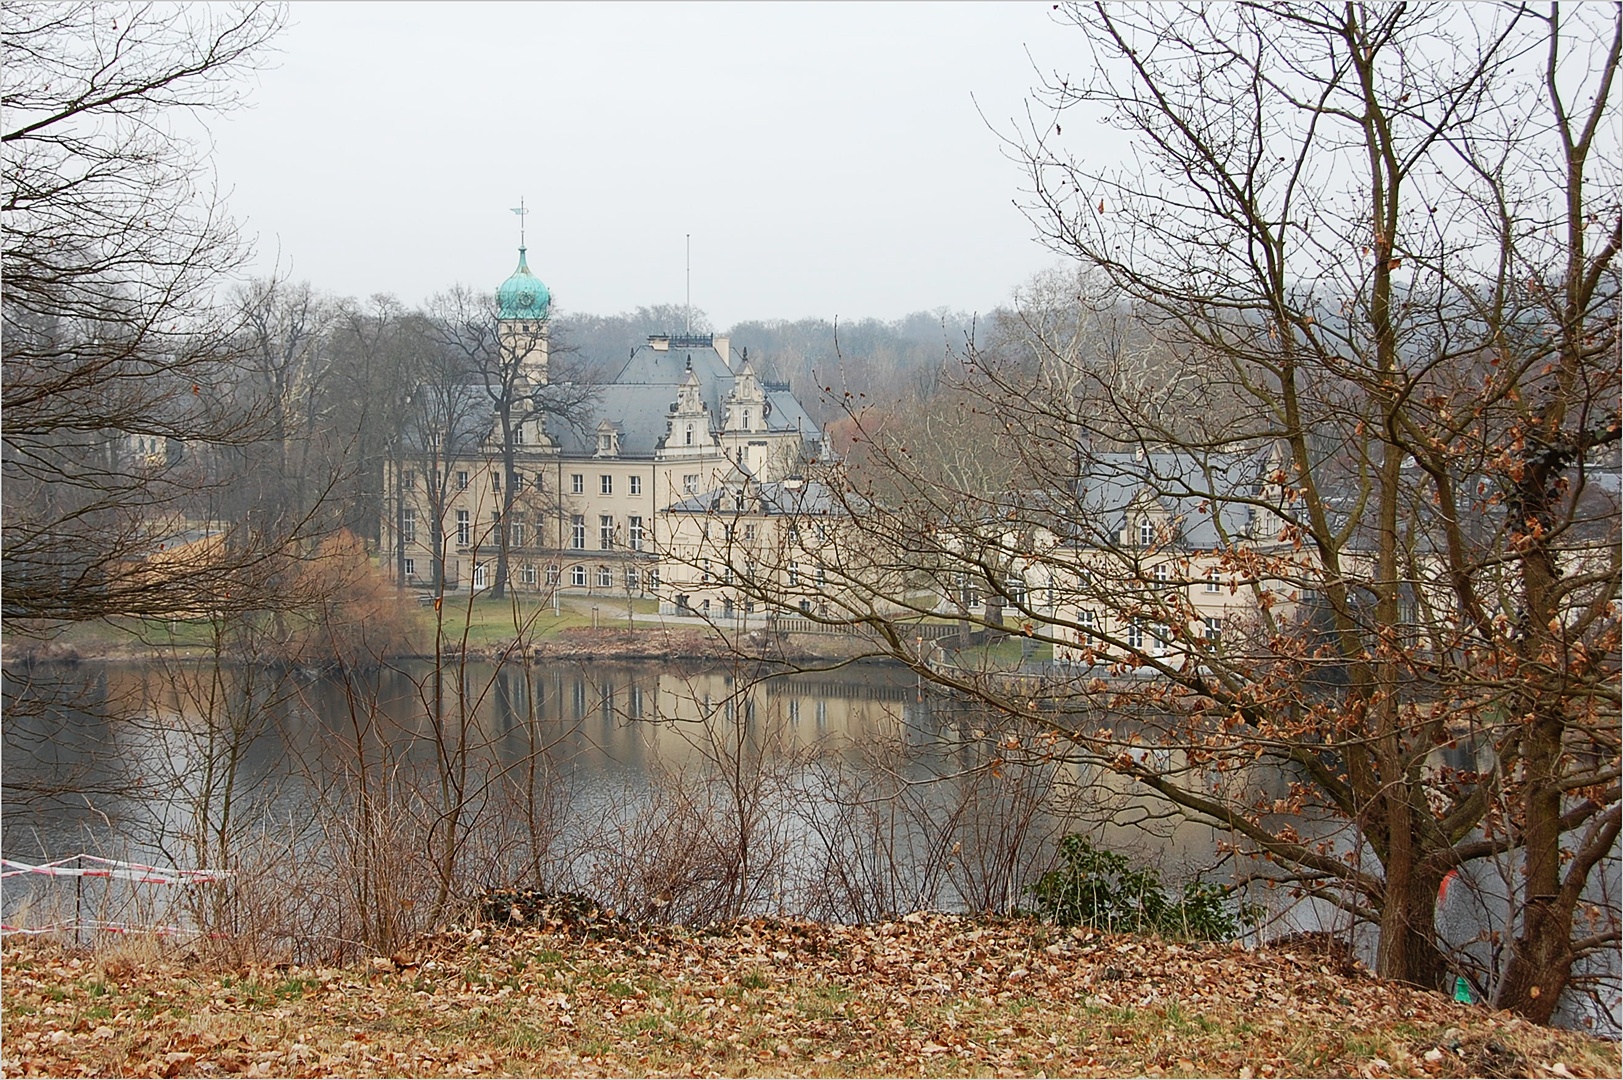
(1146, 533)
(746, 419)
(687, 437)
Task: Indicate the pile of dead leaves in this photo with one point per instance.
(929, 994)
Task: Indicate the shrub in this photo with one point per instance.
(1101, 889)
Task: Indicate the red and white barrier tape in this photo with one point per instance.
(112, 868)
(103, 928)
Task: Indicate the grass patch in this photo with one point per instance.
(479, 619)
(1005, 653)
(666, 1006)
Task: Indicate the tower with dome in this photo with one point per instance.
(523, 308)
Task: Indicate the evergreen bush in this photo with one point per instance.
(1099, 888)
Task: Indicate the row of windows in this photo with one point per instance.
(728, 532)
(706, 577)
(517, 532)
(577, 482)
(578, 576)
(605, 484)
(1088, 630)
(606, 532)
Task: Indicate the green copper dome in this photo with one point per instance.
(522, 295)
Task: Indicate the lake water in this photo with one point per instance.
(662, 789)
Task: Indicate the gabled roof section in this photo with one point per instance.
(1207, 497)
(785, 413)
(638, 412)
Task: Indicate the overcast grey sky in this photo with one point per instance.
(827, 159)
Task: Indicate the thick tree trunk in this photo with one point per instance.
(1540, 960)
(1407, 951)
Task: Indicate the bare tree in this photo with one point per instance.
(510, 364)
(379, 352)
(1365, 625)
(284, 362)
(115, 361)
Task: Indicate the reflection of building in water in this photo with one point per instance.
(629, 714)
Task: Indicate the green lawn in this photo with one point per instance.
(488, 621)
(1002, 654)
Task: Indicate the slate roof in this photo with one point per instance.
(638, 412)
(1181, 484)
(639, 399)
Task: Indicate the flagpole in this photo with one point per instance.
(520, 211)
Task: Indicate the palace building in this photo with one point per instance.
(575, 497)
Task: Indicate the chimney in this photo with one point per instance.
(724, 348)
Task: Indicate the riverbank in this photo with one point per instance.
(927, 995)
(483, 630)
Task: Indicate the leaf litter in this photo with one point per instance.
(925, 995)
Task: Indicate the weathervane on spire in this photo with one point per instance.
(520, 211)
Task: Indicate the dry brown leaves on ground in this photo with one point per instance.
(928, 995)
